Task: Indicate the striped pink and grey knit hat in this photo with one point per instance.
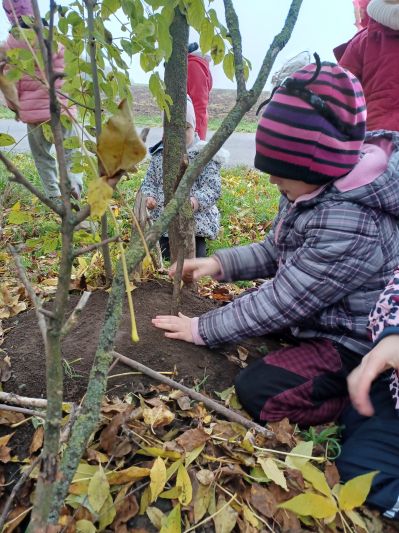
(314, 125)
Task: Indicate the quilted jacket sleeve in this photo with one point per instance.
(384, 318)
(208, 186)
(151, 181)
(341, 250)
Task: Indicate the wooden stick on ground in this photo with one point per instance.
(25, 401)
(74, 316)
(212, 404)
(23, 410)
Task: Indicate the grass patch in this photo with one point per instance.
(5, 112)
(155, 121)
(248, 205)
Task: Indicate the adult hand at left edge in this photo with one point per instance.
(177, 327)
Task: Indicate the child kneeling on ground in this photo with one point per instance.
(204, 194)
(331, 250)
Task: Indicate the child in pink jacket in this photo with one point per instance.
(372, 57)
(34, 106)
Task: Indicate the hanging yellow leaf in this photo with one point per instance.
(273, 472)
(303, 449)
(99, 193)
(355, 491)
(10, 93)
(158, 478)
(311, 505)
(98, 490)
(172, 523)
(119, 145)
(183, 483)
(226, 519)
(133, 473)
(84, 526)
(316, 478)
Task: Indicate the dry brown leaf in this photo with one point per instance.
(263, 500)
(283, 431)
(119, 146)
(158, 416)
(5, 367)
(4, 449)
(226, 519)
(184, 403)
(332, 475)
(125, 510)
(133, 473)
(205, 477)
(15, 518)
(288, 521)
(109, 435)
(192, 438)
(10, 417)
(37, 441)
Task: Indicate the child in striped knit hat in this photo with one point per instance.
(332, 248)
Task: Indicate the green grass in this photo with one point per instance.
(5, 112)
(155, 121)
(248, 205)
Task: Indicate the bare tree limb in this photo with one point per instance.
(95, 246)
(15, 490)
(74, 316)
(212, 404)
(38, 304)
(23, 410)
(75, 101)
(234, 30)
(19, 178)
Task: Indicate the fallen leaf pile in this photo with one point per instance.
(168, 463)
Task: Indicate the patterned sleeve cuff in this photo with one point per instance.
(195, 332)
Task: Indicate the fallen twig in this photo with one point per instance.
(212, 404)
(23, 410)
(74, 316)
(26, 401)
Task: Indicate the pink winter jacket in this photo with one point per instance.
(33, 94)
(372, 56)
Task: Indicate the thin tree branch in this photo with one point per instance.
(95, 246)
(20, 178)
(75, 101)
(234, 30)
(38, 304)
(26, 401)
(15, 490)
(23, 410)
(74, 316)
(212, 404)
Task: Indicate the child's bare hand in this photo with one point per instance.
(385, 355)
(193, 269)
(177, 327)
(194, 203)
(150, 203)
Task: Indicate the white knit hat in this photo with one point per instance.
(190, 114)
(385, 12)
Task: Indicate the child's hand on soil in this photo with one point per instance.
(177, 327)
(150, 203)
(385, 355)
(193, 269)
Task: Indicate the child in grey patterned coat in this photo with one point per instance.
(204, 194)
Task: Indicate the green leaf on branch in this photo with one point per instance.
(158, 90)
(164, 38)
(108, 8)
(217, 49)
(195, 13)
(206, 35)
(6, 140)
(228, 66)
(71, 142)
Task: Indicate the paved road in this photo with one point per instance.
(240, 145)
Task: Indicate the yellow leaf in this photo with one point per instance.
(145, 500)
(172, 524)
(172, 469)
(98, 490)
(225, 520)
(10, 93)
(356, 519)
(171, 494)
(250, 517)
(158, 478)
(119, 145)
(202, 497)
(99, 193)
(304, 449)
(355, 491)
(107, 513)
(158, 416)
(156, 516)
(84, 526)
(183, 483)
(192, 456)
(311, 505)
(159, 452)
(4, 440)
(273, 472)
(316, 478)
(133, 473)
